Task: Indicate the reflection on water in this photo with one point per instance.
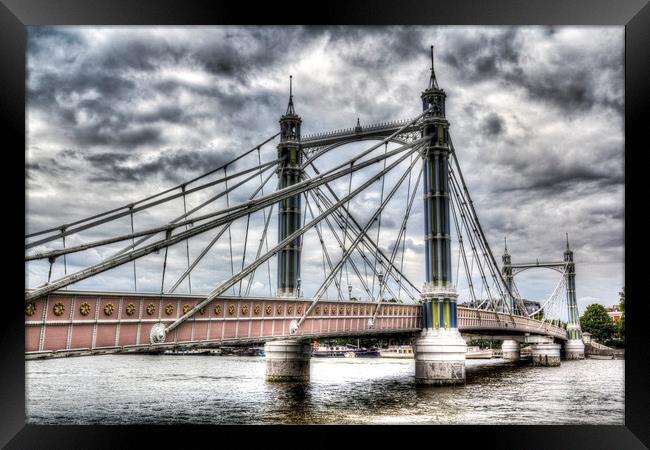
(121, 389)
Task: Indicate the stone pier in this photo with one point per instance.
(287, 360)
(574, 349)
(546, 354)
(510, 350)
(440, 357)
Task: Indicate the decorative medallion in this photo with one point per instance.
(84, 309)
(341, 309)
(348, 309)
(290, 309)
(318, 310)
(257, 309)
(130, 309)
(279, 309)
(157, 334)
(30, 308)
(186, 308)
(268, 309)
(202, 311)
(59, 308)
(299, 309)
(151, 308)
(169, 309)
(326, 310)
(217, 309)
(108, 309)
(231, 309)
(354, 310)
(244, 309)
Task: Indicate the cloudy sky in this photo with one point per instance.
(115, 114)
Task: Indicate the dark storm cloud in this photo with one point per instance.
(493, 124)
(172, 165)
(475, 59)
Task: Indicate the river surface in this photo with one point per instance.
(168, 389)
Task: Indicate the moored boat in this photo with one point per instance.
(474, 352)
(342, 351)
(398, 352)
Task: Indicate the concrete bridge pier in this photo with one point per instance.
(574, 349)
(546, 354)
(510, 350)
(287, 360)
(440, 357)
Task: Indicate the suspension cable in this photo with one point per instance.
(338, 239)
(129, 206)
(226, 284)
(228, 216)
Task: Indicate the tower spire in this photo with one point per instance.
(505, 243)
(567, 241)
(433, 83)
(290, 109)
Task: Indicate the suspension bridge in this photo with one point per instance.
(412, 158)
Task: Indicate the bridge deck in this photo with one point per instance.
(95, 322)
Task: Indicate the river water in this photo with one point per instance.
(168, 389)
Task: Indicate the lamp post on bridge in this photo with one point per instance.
(440, 349)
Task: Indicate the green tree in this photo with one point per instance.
(621, 323)
(596, 321)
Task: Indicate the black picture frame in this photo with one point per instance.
(15, 15)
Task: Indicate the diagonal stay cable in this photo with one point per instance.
(213, 241)
(166, 191)
(69, 231)
(353, 244)
(227, 216)
(226, 284)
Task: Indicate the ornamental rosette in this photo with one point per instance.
(231, 309)
(186, 308)
(130, 309)
(30, 308)
(169, 309)
(279, 309)
(318, 310)
(244, 309)
(202, 311)
(59, 308)
(151, 308)
(84, 308)
(257, 309)
(290, 309)
(269, 309)
(108, 309)
(217, 309)
(299, 309)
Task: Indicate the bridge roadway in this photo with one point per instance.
(68, 323)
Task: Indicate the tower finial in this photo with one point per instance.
(433, 83)
(567, 241)
(290, 109)
(505, 243)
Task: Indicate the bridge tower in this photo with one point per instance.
(440, 349)
(510, 347)
(506, 270)
(574, 347)
(289, 209)
(289, 360)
